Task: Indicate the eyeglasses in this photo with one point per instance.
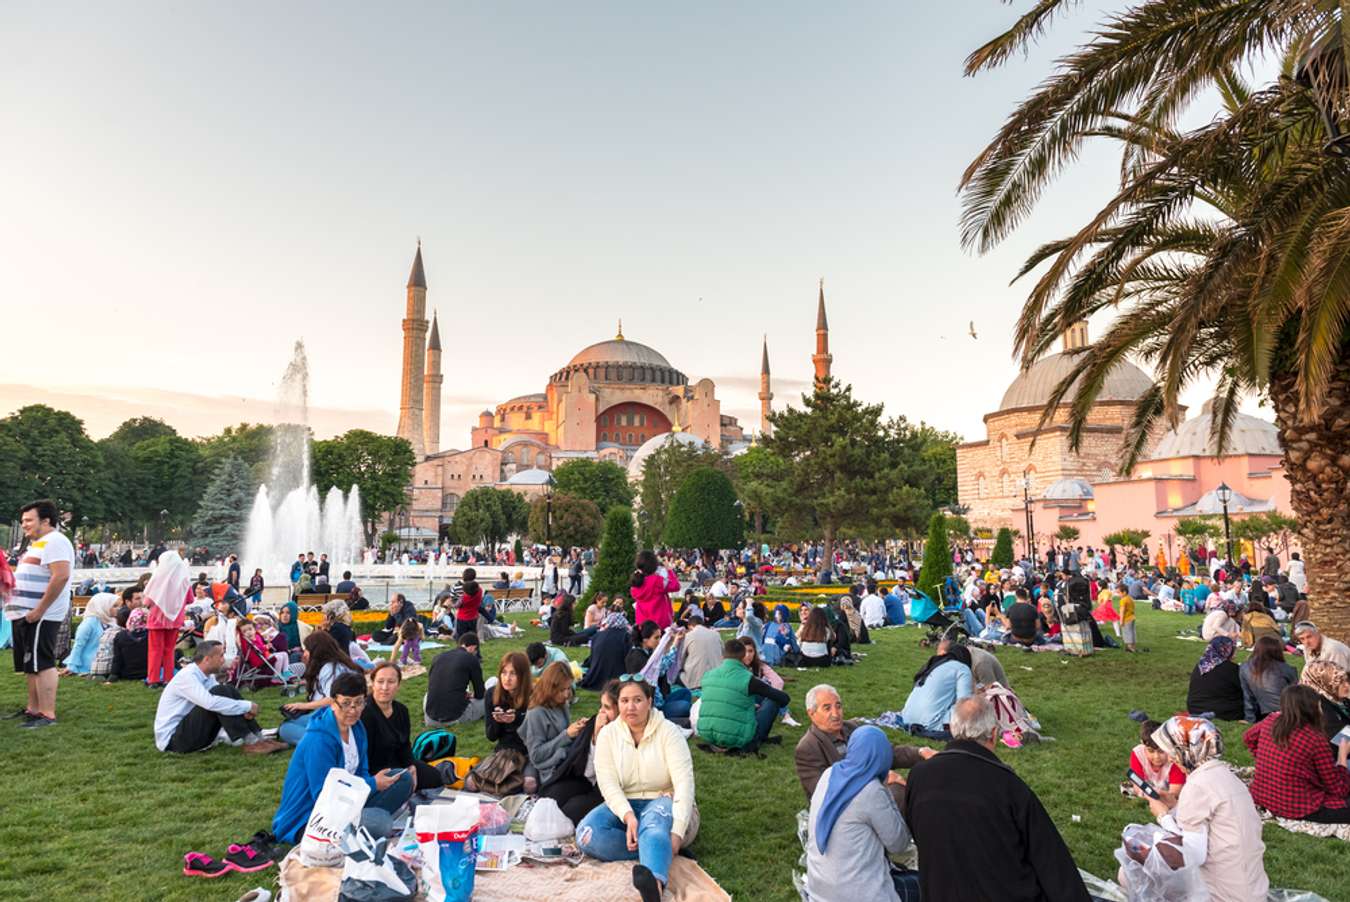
(355, 704)
(632, 678)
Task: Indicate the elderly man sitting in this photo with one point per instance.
(826, 741)
(983, 832)
(1317, 647)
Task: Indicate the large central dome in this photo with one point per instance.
(1033, 387)
(619, 350)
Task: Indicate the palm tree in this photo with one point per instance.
(1225, 253)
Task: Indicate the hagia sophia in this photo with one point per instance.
(617, 400)
(1000, 476)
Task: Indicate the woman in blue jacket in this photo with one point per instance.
(336, 737)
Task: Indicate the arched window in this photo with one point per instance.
(604, 436)
(642, 437)
(1003, 448)
(981, 486)
(604, 419)
(630, 438)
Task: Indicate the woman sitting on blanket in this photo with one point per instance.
(646, 776)
(507, 705)
(572, 785)
(1296, 774)
(1216, 683)
(1214, 814)
(548, 729)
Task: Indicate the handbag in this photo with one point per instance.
(500, 774)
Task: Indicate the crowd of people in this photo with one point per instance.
(695, 666)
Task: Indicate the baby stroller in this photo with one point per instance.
(924, 611)
(253, 671)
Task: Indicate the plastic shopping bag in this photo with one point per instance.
(546, 822)
(448, 838)
(370, 873)
(338, 806)
(1155, 867)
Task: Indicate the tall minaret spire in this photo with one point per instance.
(431, 391)
(414, 357)
(822, 358)
(765, 395)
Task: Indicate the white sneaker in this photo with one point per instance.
(256, 895)
(788, 721)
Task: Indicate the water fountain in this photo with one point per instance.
(288, 517)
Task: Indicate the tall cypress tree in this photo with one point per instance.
(223, 513)
(618, 550)
(1002, 555)
(937, 559)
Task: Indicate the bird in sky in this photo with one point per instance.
(972, 330)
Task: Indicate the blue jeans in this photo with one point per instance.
(377, 817)
(974, 621)
(290, 731)
(602, 835)
(677, 703)
(766, 712)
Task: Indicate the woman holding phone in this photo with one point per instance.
(549, 728)
(389, 728)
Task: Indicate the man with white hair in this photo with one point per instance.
(983, 832)
(1317, 647)
(825, 742)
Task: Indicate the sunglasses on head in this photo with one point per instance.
(632, 678)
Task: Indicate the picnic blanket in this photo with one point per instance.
(376, 646)
(591, 881)
(1324, 831)
(990, 645)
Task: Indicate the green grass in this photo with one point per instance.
(93, 811)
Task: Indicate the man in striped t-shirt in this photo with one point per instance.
(37, 608)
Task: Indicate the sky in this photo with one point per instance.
(191, 188)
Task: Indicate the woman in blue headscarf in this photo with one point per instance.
(853, 824)
(779, 637)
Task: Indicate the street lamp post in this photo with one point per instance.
(548, 512)
(1225, 495)
(163, 532)
(1030, 519)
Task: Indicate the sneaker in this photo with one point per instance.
(22, 712)
(195, 864)
(37, 722)
(246, 859)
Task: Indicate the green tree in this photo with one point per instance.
(166, 471)
(1195, 531)
(758, 475)
(705, 513)
(614, 561)
(1220, 255)
(1067, 533)
(601, 481)
(47, 454)
(577, 522)
(488, 516)
(937, 559)
(1126, 538)
(380, 466)
(519, 549)
(958, 526)
(1002, 555)
(839, 460)
(223, 513)
(140, 429)
(249, 443)
(662, 474)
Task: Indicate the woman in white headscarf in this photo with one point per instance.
(98, 616)
(167, 596)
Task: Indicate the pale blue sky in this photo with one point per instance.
(191, 187)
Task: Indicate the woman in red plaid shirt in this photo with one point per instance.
(1296, 775)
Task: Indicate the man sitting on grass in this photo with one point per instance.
(542, 655)
(194, 709)
(448, 700)
(738, 709)
(826, 741)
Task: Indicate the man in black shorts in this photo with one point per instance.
(38, 607)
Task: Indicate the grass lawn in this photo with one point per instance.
(93, 811)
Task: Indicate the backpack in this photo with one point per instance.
(1013, 717)
(434, 744)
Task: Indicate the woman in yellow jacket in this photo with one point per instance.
(644, 772)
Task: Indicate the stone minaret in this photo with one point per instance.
(414, 358)
(765, 396)
(431, 390)
(822, 358)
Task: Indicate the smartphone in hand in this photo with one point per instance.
(1144, 786)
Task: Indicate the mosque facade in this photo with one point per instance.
(615, 400)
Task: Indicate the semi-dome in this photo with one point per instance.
(1193, 438)
(655, 443)
(1068, 489)
(1033, 387)
(619, 350)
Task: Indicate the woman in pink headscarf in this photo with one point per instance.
(167, 596)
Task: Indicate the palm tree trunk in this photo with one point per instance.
(1317, 463)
